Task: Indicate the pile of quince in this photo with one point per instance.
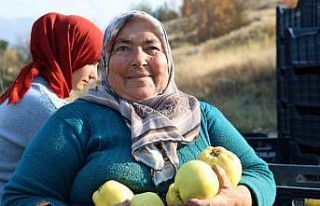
(197, 179)
(112, 193)
(194, 179)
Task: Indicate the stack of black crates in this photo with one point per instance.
(298, 80)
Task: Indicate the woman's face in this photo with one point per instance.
(84, 76)
(138, 68)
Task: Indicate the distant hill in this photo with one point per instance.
(15, 30)
(236, 72)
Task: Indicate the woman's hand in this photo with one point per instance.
(227, 194)
(125, 203)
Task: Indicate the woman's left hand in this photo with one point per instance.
(227, 195)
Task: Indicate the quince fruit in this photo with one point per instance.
(111, 193)
(226, 160)
(311, 202)
(195, 179)
(173, 197)
(146, 199)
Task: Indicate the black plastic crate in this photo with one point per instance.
(282, 56)
(295, 183)
(283, 119)
(310, 12)
(287, 18)
(302, 154)
(303, 46)
(304, 124)
(272, 150)
(296, 175)
(250, 135)
(307, 14)
(303, 88)
(295, 196)
(282, 86)
(299, 49)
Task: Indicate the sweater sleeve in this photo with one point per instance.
(256, 174)
(49, 164)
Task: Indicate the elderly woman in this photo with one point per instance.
(65, 51)
(136, 128)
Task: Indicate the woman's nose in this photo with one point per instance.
(139, 57)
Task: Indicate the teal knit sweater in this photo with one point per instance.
(84, 144)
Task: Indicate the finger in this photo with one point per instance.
(125, 203)
(217, 200)
(195, 202)
(224, 181)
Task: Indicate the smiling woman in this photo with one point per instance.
(138, 67)
(136, 128)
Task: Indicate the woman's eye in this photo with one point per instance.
(122, 48)
(153, 49)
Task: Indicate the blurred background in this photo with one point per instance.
(224, 51)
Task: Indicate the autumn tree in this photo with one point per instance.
(214, 17)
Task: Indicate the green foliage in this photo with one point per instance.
(3, 45)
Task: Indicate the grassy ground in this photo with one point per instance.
(236, 73)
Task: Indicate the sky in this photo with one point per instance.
(98, 10)
(17, 16)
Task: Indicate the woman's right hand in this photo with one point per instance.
(125, 203)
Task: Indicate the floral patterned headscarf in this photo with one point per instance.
(158, 124)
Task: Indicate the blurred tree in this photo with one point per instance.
(214, 17)
(23, 50)
(11, 60)
(9, 65)
(3, 45)
(162, 13)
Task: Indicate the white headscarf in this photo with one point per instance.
(158, 124)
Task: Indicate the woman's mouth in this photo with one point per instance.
(140, 76)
